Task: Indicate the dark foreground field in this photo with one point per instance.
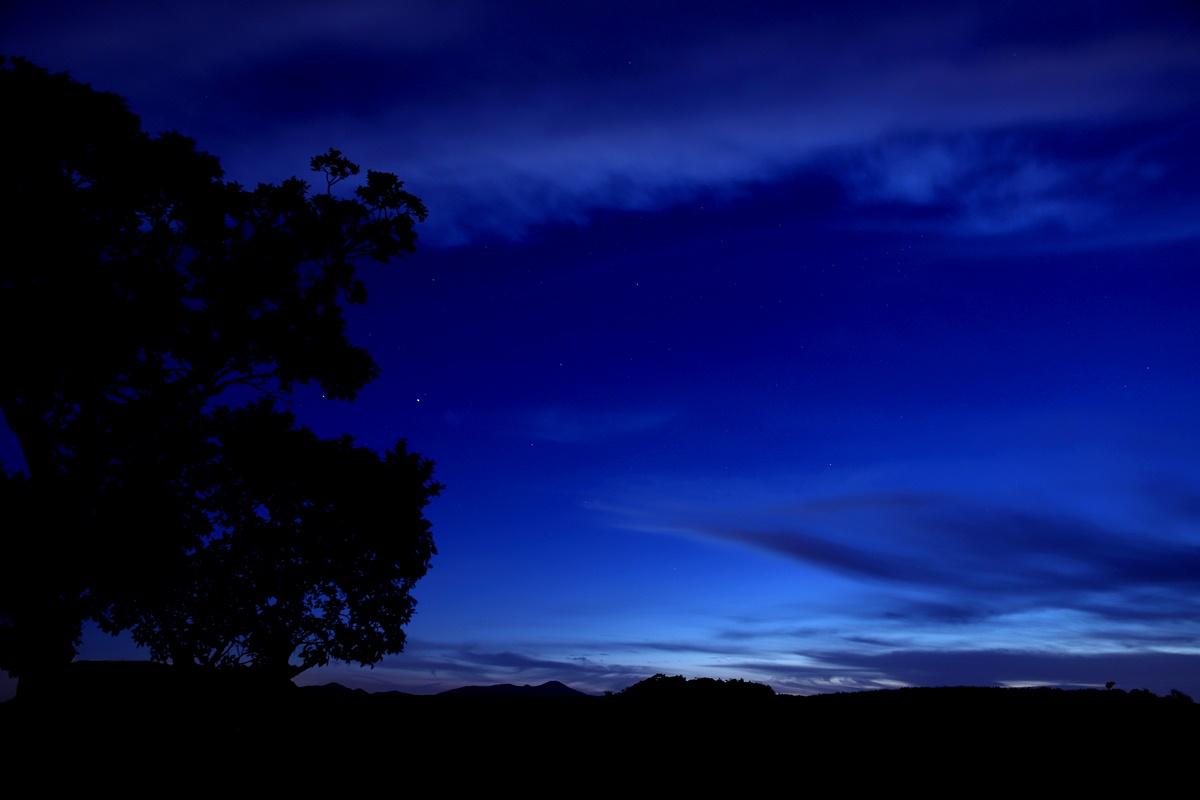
(704, 728)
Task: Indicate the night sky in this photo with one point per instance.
(834, 348)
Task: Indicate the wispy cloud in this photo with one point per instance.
(576, 426)
(1113, 186)
(430, 667)
(1159, 672)
(948, 559)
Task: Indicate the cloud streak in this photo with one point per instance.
(946, 559)
(1157, 671)
(574, 426)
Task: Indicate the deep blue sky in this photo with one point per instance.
(833, 348)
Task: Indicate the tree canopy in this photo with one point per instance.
(152, 314)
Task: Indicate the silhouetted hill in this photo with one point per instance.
(678, 689)
(547, 689)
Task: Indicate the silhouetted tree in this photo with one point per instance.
(304, 563)
(144, 301)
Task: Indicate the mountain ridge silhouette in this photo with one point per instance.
(547, 689)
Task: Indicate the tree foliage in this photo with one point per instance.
(151, 313)
(303, 563)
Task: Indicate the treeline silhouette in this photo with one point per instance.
(662, 736)
(146, 702)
